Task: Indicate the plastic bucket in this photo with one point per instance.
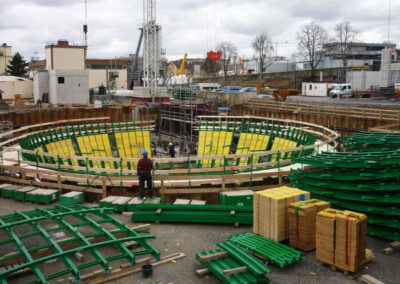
(147, 270)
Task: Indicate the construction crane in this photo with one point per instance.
(182, 65)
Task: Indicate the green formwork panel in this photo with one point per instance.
(107, 202)
(192, 213)
(9, 191)
(72, 198)
(217, 266)
(117, 203)
(134, 202)
(42, 196)
(20, 194)
(3, 186)
(237, 198)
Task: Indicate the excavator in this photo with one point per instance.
(182, 65)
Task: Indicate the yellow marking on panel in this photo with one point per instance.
(282, 144)
(131, 144)
(63, 147)
(250, 143)
(213, 143)
(92, 146)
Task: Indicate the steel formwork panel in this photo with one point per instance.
(92, 218)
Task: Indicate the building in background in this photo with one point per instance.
(64, 79)
(65, 60)
(5, 57)
(360, 54)
(12, 85)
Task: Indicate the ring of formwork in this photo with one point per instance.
(93, 155)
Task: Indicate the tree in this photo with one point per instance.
(263, 47)
(312, 44)
(18, 66)
(344, 36)
(228, 50)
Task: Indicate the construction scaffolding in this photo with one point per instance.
(178, 120)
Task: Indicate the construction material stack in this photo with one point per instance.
(235, 261)
(271, 218)
(364, 181)
(302, 221)
(341, 239)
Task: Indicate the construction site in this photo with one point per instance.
(136, 170)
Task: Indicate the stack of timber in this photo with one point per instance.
(302, 221)
(29, 193)
(341, 239)
(271, 218)
(192, 213)
(365, 182)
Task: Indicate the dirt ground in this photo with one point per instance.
(193, 238)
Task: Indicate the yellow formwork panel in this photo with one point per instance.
(282, 144)
(250, 143)
(63, 147)
(131, 144)
(213, 143)
(96, 145)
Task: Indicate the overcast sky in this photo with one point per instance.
(192, 26)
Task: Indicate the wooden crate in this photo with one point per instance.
(270, 218)
(341, 238)
(302, 222)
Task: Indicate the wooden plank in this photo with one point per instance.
(202, 272)
(366, 278)
(122, 272)
(214, 256)
(236, 270)
(78, 256)
(158, 211)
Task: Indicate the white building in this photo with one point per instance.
(65, 79)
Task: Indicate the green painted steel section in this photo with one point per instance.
(246, 259)
(193, 213)
(59, 216)
(275, 252)
(366, 180)
(42, 139)
(71, 200)
(217, 267)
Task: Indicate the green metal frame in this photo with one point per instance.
(249, 126)
(58, 215)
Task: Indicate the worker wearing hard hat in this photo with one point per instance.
(171, 150)
(144, 168)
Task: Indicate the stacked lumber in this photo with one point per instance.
(302, 223)
(341, 239)
(270, 218)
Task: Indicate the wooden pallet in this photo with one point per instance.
(369, 258)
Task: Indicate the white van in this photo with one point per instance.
(341, 91)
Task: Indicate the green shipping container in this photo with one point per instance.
(43, 196)
(20, 194)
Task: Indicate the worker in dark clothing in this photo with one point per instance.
(144, 168)
(171, 150)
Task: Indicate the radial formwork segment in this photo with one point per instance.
(112, 140)
(229, 145)
(94, 220)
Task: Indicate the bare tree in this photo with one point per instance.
(344, 37)
(228, 50)
(263, 47)
(312, 44)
